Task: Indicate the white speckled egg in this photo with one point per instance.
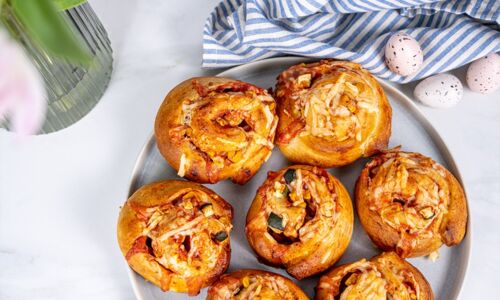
(439, 91)
(403, 54)
(483, 75)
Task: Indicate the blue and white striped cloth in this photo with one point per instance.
(451, 33)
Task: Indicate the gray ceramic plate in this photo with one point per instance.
(410, 129)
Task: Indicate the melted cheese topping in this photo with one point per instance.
(307, 189)
(297, 217)
(261, 287)
(409, 193)
(367, 285)
(269, 117)
(187, 110)
(337, 109)
(228, 128)
(377, 280)
(183, 236)
(182, 166)
(434, 255)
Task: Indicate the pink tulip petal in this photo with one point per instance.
(6, 102)
(22, 93)
(27, 118)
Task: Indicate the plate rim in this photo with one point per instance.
(408, 102)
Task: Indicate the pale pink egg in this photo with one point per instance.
(483, 75)
(439, 91)
(403, 54)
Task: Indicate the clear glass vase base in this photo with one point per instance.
(72, 90)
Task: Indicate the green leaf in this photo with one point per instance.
(67, 4)
(49, 29)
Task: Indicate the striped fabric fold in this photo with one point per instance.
(451, 33)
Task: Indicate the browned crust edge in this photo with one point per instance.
(272, 254)
(129, 228)
(212, 291)
(342, 270)
(452, 230)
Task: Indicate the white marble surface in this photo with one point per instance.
(60, 193)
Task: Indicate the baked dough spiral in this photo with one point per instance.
(256, 285)
(385, 276)
(175, 234)
(410, 204)
(300, 219)
(331, 113)
(211, 128)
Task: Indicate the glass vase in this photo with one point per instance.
(72, 90)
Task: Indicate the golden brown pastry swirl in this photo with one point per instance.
(254, 285)
(331, 113)
(211, 128)
(385, 276)
(410, 204)
(176, 235)
(300, 219)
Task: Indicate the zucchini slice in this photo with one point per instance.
(289, 175)
(427, 213)
(220, 236)
(275, 221)
(207, 209)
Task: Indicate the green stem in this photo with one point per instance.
(67, 4)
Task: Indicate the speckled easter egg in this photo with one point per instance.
(403, 54)
(439, 91)
(483, 75)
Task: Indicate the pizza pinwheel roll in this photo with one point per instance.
(175, 234)
(301, 219)
(254, 284)
(386, 276)
(331, 113)
(211, 128)
(410, 204)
